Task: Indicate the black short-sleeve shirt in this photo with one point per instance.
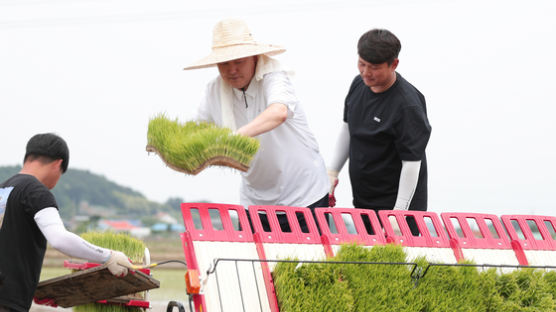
(385, 128)
(22, 244)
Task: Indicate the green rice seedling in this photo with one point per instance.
(550, 279)
(132, 247)
(389, 287)
(455, 288)
(316, 287)
(526, 290)
(192, 146)
(372, 285)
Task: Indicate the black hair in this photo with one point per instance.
(378, 46)
(50, 146)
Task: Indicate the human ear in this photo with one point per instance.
(58, 164)
(395, 63)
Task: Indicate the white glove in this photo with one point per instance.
(118, 263)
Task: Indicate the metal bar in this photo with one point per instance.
(239, 285)
(517, 266)
(257, 285)
(217, 287)
(216, 261)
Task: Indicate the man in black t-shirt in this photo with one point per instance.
(385, 132)
(29, 218)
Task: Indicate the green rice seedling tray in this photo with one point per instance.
(193, 146)
(91, 285)
(214, 161)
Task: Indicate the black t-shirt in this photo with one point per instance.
(22, 245)
(385, 128)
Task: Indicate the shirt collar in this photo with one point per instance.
(249, 92)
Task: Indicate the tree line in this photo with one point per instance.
(81, 192)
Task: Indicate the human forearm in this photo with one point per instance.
(409, 177)
(53, 229)
(273, 116)
(339, 158)
(49, 222)
(341, 150)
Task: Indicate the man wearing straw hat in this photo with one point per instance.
(254, 96)
(29, 218)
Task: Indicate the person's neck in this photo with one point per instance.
(384, 88)
(244, 89)
(35, 170)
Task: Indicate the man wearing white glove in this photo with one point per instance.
(29, 218)
(385, 132)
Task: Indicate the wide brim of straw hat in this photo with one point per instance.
(232, 52)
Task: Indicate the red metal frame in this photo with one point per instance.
(191, 260)
(530, 242)
(130, 303)
(426, 239)
(227, 234)
(343, 236)
(276, 235)
(267, 277)
(87, 265)
(469, 239)
(208, 233)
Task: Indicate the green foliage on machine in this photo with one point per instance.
(133, 248)
(390, 287)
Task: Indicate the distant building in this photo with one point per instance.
(116, 226)
(159, 227)
(140, 232)
(166, 218)
(166, 227)
(124, 226)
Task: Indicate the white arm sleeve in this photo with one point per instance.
(341, 153)
(52, 227)
(408, 182)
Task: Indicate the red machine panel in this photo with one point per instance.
(433, 236)
(216, 222)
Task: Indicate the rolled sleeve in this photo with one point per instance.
(279, 89)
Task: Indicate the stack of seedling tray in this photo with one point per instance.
(92, 282)
(92, 288)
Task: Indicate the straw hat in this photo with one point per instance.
(231, 39)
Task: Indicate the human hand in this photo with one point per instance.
(118, 263)
(331, 200)
(333, 177)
